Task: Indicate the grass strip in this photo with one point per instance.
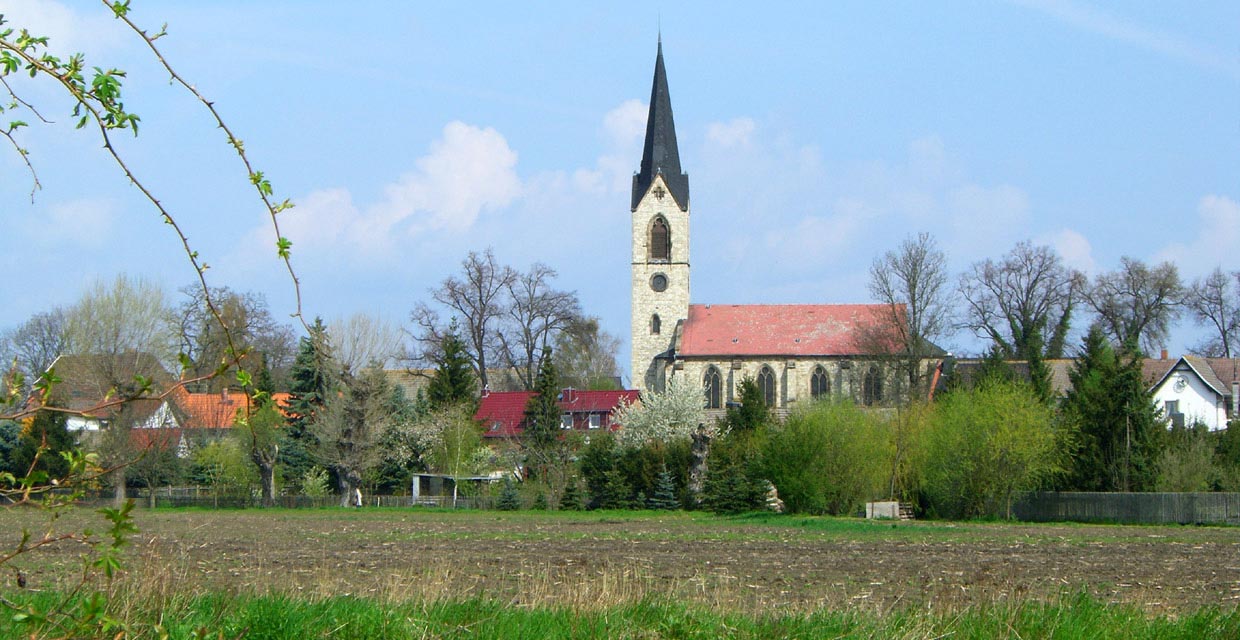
(277, 617)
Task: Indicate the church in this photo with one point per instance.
(794, 352)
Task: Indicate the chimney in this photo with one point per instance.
(486, 391)
(1164, 354)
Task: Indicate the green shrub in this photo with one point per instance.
(832, 457)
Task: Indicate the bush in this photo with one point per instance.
(832, 458)
(984, 446)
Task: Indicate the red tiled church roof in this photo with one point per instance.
(501, 413)
(780, 329)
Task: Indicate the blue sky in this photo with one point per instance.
(816, 136)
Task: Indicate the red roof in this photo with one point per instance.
(217, 410)
(501, 413)
(780, 329)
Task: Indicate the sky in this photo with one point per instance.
(816, 137)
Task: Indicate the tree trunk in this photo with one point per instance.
(265, 460)
(118, 486)
(697, 468)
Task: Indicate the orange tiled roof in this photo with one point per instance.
(780, 329)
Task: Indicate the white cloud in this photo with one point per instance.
(733, 133)
(468, 170)
(626, 123)
(1073, 247)
(67, 30)
(85, 223)
(1119, 29)
(1218, 235)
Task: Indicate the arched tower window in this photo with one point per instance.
(655, 324)
(712, 383)
(872, 387)
(660, 240)
(766, 383)
(819, 383)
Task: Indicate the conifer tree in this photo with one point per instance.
(664, 497)
(509, 497)
(1118, 429)
(542, 413)
(453, 380)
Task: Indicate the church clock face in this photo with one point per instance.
(658, 282)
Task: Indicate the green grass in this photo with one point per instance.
(282, 617)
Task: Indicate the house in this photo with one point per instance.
(502, 413)
(96, 386)
(1191, 391)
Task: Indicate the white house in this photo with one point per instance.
(1190, 391)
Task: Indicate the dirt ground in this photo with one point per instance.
(599, 559)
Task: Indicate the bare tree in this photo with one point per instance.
(351, 426)
(911, 283)
(1214, 302)
(246, 321)
(362, 341)
(36, 343)
(129, 315)
(1023, 303)
(536, 313)
(585, 355)
(476, 298)
(1136, 304)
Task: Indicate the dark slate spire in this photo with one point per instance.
(660, 154)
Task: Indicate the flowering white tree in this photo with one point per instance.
(673, 414)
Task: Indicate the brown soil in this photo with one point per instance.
(590, 560)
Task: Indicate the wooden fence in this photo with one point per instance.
(1130, 508)
(205, 498)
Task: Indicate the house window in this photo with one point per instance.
(766, 383)
(1172, 410)
(566, 421)
(819, 384)
(872, 387)
(660, 240)
(596, 420)
(713, 385)
(655, 324)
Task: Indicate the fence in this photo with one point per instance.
(1130, 508)
(204, 497)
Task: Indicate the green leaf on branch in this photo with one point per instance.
(282, 246)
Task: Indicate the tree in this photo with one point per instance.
(476, 297)
(349, 428)
(36, 343)
(362, 341)
(239, 328)
(1214, 302)
(259, 432)
(456, 448)
(313, 377)
(585, 355)
(1136, 304)
(666, 416)
(752, 414)
(664, 496)
(911, 283)
(125, 316)
(984, 446)
(547, 450)
(1023, 303)
(453, 380)
(1117, 426)
(831, 457)
(536, 313)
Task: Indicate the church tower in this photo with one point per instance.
(660, 286)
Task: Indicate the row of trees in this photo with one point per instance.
(1023, 305)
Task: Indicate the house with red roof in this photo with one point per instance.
(502, 413)
(795, 352)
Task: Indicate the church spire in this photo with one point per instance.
(660, 155)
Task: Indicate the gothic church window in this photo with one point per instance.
(655, 324)
(819, 384)
(766, 383)
(713, 385)
(660, 240)
(872, 387)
